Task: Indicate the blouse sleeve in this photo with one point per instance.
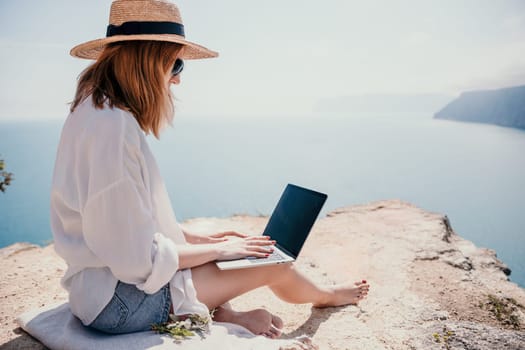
(119, 227)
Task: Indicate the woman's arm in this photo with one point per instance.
(191, 255)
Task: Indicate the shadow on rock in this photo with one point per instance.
(311, 325)
(23, 341)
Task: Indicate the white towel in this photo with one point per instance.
(57, 328)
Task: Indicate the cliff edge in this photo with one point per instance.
(430, 288)
(504, 107)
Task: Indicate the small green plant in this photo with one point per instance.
(5, 177)
(183, 327)
(504, 309)
(437, 337)
(444, 337)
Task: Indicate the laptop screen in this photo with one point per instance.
(294, 216)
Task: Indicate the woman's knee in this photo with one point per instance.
(274, 273)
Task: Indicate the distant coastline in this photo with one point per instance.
(381, 104)
(503, 107)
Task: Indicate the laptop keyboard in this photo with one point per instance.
(275, 256)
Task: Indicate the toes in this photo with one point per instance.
(362, 295)
(277, 322)
(275, 331)
(363, 286)
(272, 333)
(276, 326)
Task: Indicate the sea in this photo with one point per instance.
(220, 166)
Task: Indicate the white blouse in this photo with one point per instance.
(111, 216)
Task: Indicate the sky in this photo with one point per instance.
(277, 58)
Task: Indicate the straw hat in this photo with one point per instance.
(157, 20)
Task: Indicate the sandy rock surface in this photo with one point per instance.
(29, 279)
(430, 289)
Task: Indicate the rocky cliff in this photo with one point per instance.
(430, 288)
(505, 107)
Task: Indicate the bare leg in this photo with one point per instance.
(215, 287)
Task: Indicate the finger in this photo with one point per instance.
(263, 249)
(258, 238)
(234, 233)
(260, 243)
(256, 254)
(220, 235)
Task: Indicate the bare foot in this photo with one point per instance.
(345, 294)
(258, 321)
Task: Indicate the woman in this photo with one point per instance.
(129, 262)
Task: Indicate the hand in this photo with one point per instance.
(235, 248)
(213, 238)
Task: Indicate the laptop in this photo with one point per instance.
(289, 225)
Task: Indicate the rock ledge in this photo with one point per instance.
(430, 288)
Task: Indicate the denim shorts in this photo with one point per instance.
(132, 310)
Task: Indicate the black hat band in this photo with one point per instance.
(136, 28)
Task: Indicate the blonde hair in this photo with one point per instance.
(131, 75)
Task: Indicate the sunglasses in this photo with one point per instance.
(177, 67)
